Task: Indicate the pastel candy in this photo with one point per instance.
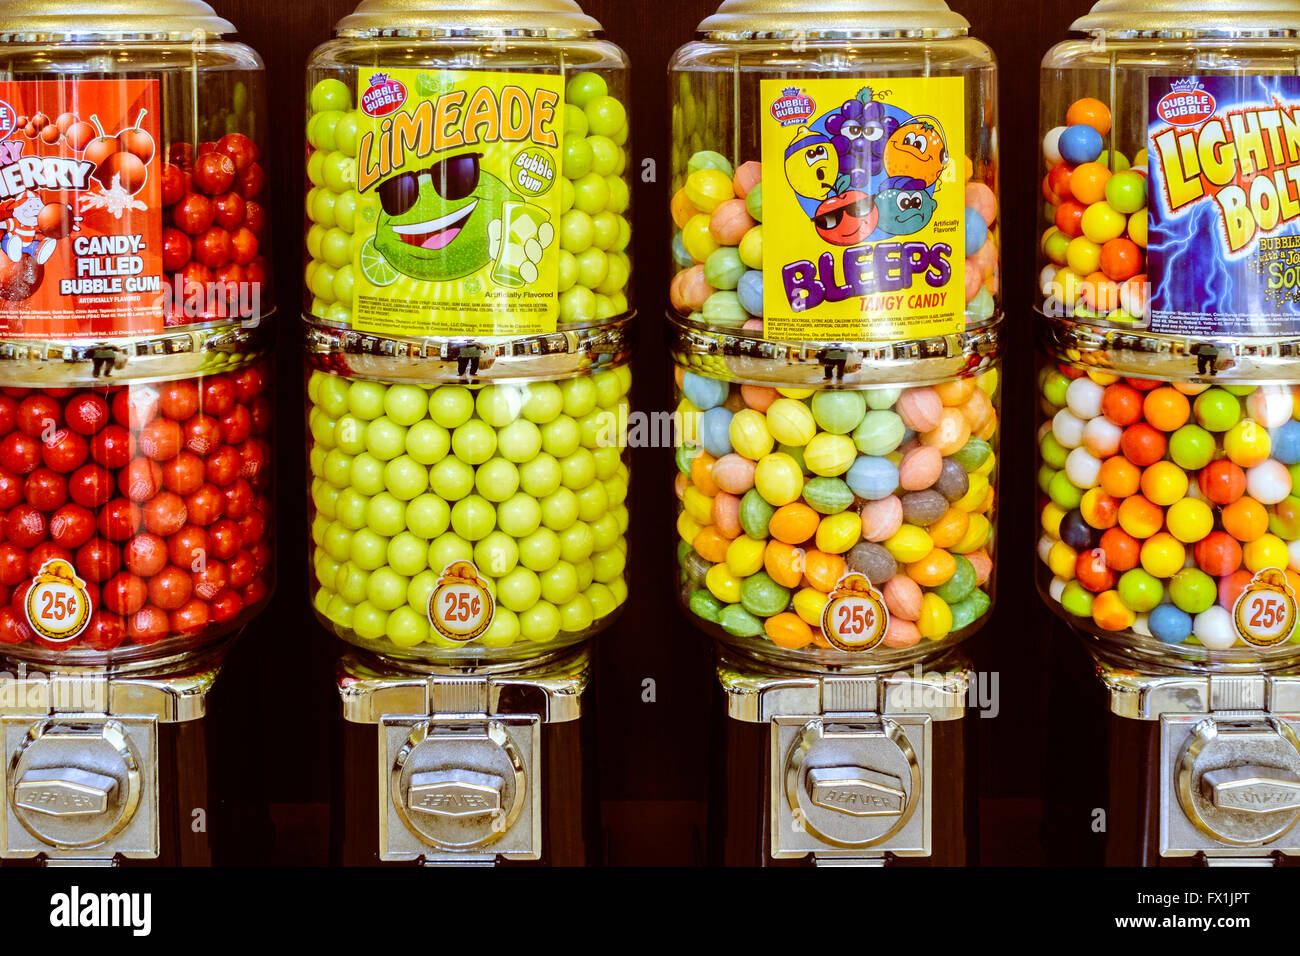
(881, 519)
(920, 409)
(920, 468)
(733, 474)
(903, 597)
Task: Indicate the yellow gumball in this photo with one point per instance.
(791, 422)
(722, 584)
(909, 544)
(838, 533)
(936, 618)
(830, 455)
(745, 556)
(749, 434)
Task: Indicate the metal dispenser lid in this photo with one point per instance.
(1163, 18)
(76, 19)
(765, 19)
(468, 18)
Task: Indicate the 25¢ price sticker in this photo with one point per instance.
(1265, 614)
(855, 617)
(58, 605)
(461, 607)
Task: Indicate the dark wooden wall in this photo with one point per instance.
(653, 757)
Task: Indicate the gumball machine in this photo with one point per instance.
(135, 417)
(466, 298)
(835, 326)
(1170, 432)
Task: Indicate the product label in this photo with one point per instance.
(80, 209)
(459, 176)
(461, 607)
(863, 208)
(855, 618)
(1265, 614)
(58, 604)
(1223, 250)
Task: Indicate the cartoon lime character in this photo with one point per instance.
(444, 222)
(811, 165)
(904, 206)
(917, 150)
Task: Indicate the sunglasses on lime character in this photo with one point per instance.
(453, 179)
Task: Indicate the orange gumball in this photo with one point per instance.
(1121, 259)
(1166, 408)
(950, 528)
(702, 473)
(1110, 613)
(1089, 112)
(1245, 519)
(711, 545)
(1119, 477)
(951, 434)
(788, 631)
(1122, 550)
(823, 571)
(1122, 404)
(793, 523)
(956, 391)
(783, 563)
(934, 569)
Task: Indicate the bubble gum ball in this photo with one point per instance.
(1089, 112)
(747, 177)
(730, 222)
(920, 408)
(1080, 144)
(980, 198)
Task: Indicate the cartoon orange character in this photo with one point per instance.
(917, 149)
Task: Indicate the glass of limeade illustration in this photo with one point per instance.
(1169, 444)
(136, 507)
(835, 305)
(467, 289)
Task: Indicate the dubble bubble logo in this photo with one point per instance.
(793, 107)
(383, 96)
(1186, 104)
(7, 117)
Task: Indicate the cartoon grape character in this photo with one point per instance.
(858, 132)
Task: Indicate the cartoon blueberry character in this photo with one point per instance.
(444, 222)
(904, 206)
(811, 166)
(917, 150)
(859, 131)
(20, 216)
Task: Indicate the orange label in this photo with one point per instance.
(80, 209)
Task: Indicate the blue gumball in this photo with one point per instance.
(872, 478)
(715, 431)
(750, 291)
(704, 393)
(1080, 144)
(1286, 443)
(977, 231)
(681, 258)
(1169, 624)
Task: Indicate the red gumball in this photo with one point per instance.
(90, 486)
(140, 480)
(243, 246)
(175, 184)
(11, 490)
(242, 570)
(165, 514)
(211, 580)
(239, 499)
(224, 539)
(86, 413)
(149, 625)
(103, 632)
(46, 489)
(125, 593)
(170, 588)
(65, 451)
(251, 181)
(183, 474)
(145, 554)
(191, 618)
(255, 593)
(113, 447)
(20, 453)
(189, 548)
(252, 527)
(213, 248)
(205, 505)
(13, 564)
(44, 553)
(218, 395)
(226, 606)
(193, 214)
(72, 526)
(98, 560)
(177, 249)
(119, 519)
(39, 415)
(241, 150)
(14, 628)
(229, 211)
(223, 466)
(135, 406)
(161, 439)
(214, 173)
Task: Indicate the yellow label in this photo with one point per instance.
(459, 177)
(863, 208)
(58, 605)
(855, 618)
(1265, 614)
(461, 607)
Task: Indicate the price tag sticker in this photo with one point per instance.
(1265, 614)
(461, 607)
(58, 604)
(855, 618)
